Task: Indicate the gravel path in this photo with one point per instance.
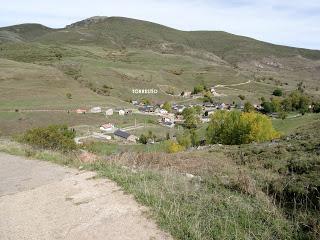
(39, 200)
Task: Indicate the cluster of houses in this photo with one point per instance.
(167, 119)
(108, 112)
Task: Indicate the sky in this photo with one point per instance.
(286, 22)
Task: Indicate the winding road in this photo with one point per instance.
(43, 201)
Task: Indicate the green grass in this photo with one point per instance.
(106, 149)
(187, 209)
(288, 125)
(126, 54)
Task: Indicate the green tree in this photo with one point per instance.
(316, 107)
(248, 107)
(198, 109)
(184, 139)
(167, 106)
(267, 107)
(195, 140)
(198, 89)
(242, 97)
(191, 119)
(238, 128)
(277, 92)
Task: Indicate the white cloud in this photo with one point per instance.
(287, 22)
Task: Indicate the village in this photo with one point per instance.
(169, 115)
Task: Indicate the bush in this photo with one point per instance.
(174, 147)
(277, 92)
(242, 97)
(248, 107)
(198, 89)
(239, 128)
(143, 139)
(54, 137)
(316, 107)
(167, 106)
(268, 107)
(184, 140)
(69, 95)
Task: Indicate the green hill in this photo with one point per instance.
(122, 54)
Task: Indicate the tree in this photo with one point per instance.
(248, 107)
(184, 139)
(316, 107)
(277, 92)
(267, 107)
(242, 97)
(300, 86)
(239, 128)
(167, 106)
(168, 136)
(198, 89)
(276, 104)
(195, 140)
(198, 109)
(146, 101)
(191, 120)
(207, 97)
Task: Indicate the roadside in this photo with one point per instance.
(40, 200)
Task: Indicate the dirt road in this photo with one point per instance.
(42, 201)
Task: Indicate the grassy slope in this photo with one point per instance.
(125, 54)
(188, 209)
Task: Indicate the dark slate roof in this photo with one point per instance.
(122, 134)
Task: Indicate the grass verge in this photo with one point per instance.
(188, 208)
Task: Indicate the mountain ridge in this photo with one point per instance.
(128, 32)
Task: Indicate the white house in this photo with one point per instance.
(81, 111)
(96, 110)
(109, 112)
(163, 111)
(107, 127)
(122, 112)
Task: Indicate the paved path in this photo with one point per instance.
(42, 201)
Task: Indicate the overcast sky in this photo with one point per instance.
(286, 22)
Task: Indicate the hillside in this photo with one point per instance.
(124, 54)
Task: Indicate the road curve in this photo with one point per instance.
(40, 200)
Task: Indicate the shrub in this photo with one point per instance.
(184, 140)
(167, 106)
(69, 95)
(198, 89)
(277, 92)
(268, 107)
(316, 107)
(174, 147)
(242, 97)
(248, 107)
(54, 137)
(143, 139)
